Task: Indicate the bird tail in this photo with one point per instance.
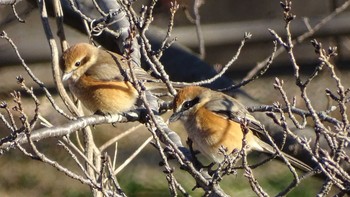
(294, 161)
(159, 86)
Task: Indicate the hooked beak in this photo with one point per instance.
(66, 76)
(176, 116)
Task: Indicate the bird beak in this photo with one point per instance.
(66, 76)
(176, 116)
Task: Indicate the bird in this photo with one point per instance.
(213, 119)
(99, 78)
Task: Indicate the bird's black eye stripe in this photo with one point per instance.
(81, 62)
(191, 103)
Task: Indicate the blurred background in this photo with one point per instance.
(223, 25)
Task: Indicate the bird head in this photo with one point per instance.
(77, 59)
(189, 100)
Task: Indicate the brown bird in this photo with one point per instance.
(98, 78)
(212, 119)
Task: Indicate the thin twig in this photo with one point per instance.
(132, 156)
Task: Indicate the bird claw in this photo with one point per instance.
(210, 168)
(99, 112)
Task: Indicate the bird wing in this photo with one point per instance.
(105, 72)
(119, 71)
(230, 108)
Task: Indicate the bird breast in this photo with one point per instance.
(209, 131)
(106, 97)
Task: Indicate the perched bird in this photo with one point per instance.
(98, 78)
(212, 119)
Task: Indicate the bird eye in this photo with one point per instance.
(77, 64)
(189, 104)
